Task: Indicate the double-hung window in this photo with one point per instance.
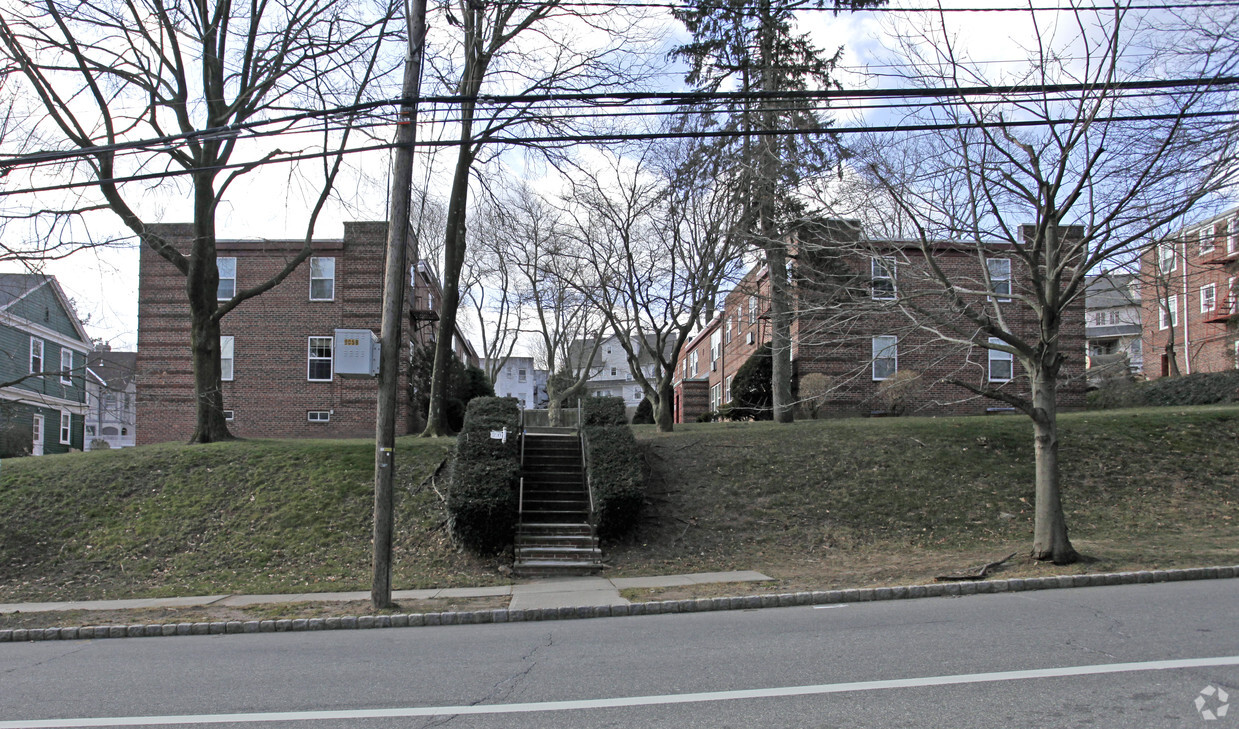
(318, 368)
(226, 358)
(1232, 240)
(752, 310)
(66, 366)
(692, 361)
(1206, 240)
(1000, 277)
(716, 348)
(227, 278)
(66, 427)
(1208, 298)
(322, 278)
(882, 279)
(1001, 363)
(1168, 312)
(1165, 257)
(885, 357)
(36, 356)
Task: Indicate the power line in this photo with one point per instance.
(825, 7)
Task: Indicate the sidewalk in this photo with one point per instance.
(552, 593)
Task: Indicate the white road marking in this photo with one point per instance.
(829, 607)
(629, 701)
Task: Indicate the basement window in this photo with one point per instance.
(318, 416)
(228, 415)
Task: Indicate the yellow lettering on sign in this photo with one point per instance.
(351, 342)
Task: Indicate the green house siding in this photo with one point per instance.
(42, 307)
(21, 415)
(15, 363)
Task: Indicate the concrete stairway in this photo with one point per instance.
(554, 537)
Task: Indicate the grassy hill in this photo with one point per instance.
(814, 504)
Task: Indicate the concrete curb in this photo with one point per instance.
(706, 604)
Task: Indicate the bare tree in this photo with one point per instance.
(1092, 171)
(489, 282)
(662, 243)
(520, 49)
(147, 89)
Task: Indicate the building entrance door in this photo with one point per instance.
(37, 440)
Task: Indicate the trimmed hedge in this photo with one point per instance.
(482, 500)
(613, 465)
(603, 411)
(1202, 388)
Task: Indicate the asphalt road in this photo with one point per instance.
(1131, 657)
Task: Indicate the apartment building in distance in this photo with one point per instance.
(1112, 326)
(1190, 310)
(279, 378)
(859, 346)
(519, 378)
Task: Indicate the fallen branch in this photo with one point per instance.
(975, 574)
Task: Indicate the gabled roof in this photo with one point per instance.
(115, 369)
(16, 286)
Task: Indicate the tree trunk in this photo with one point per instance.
(201, 287)
(780, 333)
(1050, 540)
(663, 413)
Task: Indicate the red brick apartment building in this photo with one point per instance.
(277, 348)
(868, 342)
(1190, 309)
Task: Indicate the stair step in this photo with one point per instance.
(543, 568)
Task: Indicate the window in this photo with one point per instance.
(36, 356)
(1232, 241)
(1168, 312)
(66, 428)
(66, 366)
(1232, 296)
(1114, 317)
(693, 361)
(322, 278)
(752, 310)
(1208, 298)
(613, 372)
(636, 394)
(1165, 257)
(1001, 364)
(521, 375)
(716, 396)
(882, 279)
(229, 415)
(1206, 240)
(1099, 318)
(227, 278)
(318, 416)
(727, 388)
(716, 348)
(90, 431)
(225, 358)
(729, 329)
(1000, 277)
(319, 360)
(885, 357)
(751, 339)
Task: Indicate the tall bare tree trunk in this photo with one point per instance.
(780, 334)
(1050, 524)
(201, 288)
(664, 414)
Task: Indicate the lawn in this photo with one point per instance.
(814, 504)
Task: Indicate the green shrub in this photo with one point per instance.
(493, 413)
(613, 464)
(644, 414)
(1202, 388)
(15, 441)
(482, 500)
(1199, 389)
(603, 411)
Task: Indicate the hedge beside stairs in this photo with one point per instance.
(613, 465)
(482, 500)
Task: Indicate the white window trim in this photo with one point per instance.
(998, 355)
(874, 351)
(1002, 296)
(1232, 237)
(1166, 252)
(1168, 312)
(66, 370)
(309, 359)
(331, 278)
(325, 416)
(66, 427)
(232, 278)
(227, 346)
(1205, 238)
(1208, 303)
(230, 415)
(41, 356)
(883, 268)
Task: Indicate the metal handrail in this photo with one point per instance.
(520, 497)
(589, 487)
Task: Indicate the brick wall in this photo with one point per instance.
(837, 341)
(270, 393)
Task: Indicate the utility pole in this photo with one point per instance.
(395, 275)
